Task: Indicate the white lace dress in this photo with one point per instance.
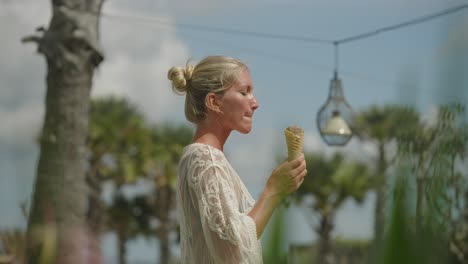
(212, 206)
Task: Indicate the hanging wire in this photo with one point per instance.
(298, 38)
(336, 57)
(281, 36)
(219, 30)
(289, 37)
(152, 21)
(404, 24)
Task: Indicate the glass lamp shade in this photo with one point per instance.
(335, 117)
(337, 126)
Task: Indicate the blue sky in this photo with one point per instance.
(291, 79)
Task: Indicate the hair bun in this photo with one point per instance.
(188, 72)
(180, 77)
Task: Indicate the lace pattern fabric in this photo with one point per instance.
(212, 208)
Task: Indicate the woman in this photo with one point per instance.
(219, 220)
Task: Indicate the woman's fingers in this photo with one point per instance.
(290, 174)
(299, 169)
(300, 181)
(296, 162)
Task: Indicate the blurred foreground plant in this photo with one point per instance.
(430, 226)
(13, 246)
(381, 126)
(274, 251)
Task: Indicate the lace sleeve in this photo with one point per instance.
(230, 235)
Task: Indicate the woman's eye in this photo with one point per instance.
(243, 93)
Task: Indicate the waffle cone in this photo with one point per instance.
(294, 140)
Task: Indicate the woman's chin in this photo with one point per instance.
(245, 130)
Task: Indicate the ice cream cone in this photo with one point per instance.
(294, 140)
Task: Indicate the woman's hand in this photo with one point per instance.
(287, 177)
(283, 180)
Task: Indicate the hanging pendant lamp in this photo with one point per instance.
(335, 117)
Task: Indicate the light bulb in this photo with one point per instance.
(337, 126)
(335, 117)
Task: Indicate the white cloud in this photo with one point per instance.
(136, 65)
(137, 60)
(22, 124)
(22, 72)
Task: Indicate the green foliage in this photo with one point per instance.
(130, 216)
(169, 141)
(118, 140)
(331, 182)
(123, 147)
(447, 136)
(12, 246)
(434, 151)
(403, 242)
(273, 250)
(384, 123)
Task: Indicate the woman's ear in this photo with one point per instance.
(212, 102)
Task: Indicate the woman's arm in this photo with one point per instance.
(284, 180)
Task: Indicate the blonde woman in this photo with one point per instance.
(220, 222)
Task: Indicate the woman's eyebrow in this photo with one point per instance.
(248, 86)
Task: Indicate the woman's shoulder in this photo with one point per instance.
(201, 151)
(201, 159)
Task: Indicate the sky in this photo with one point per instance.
(421, 65)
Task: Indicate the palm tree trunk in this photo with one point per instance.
(380, 191)
(324, 249)
(164, 245)
(419, 201)
(60, 193)
(164, 197)
(420, 183)
(95, 213)
(122, 240)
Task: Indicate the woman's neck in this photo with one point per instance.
(211, 135)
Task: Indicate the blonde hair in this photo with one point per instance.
(214, 74)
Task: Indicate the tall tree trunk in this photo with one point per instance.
(70, 46)
(122, 240)
(96, 210)
(420, 183)
(419, 202)
(380, 191)
(164, 244)
(164, 202)
(325, 255)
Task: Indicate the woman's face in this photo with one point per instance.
(238, 105)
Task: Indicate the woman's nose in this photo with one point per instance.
(254, 103)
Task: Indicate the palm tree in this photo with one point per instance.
(124, 147)
(381, 125)
(119, 144)
(433, 151)
(168, 143)
(330, 183)
(13, 246)
(71, 48)
(124, 218)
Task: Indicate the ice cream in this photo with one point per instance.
(294, 140)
